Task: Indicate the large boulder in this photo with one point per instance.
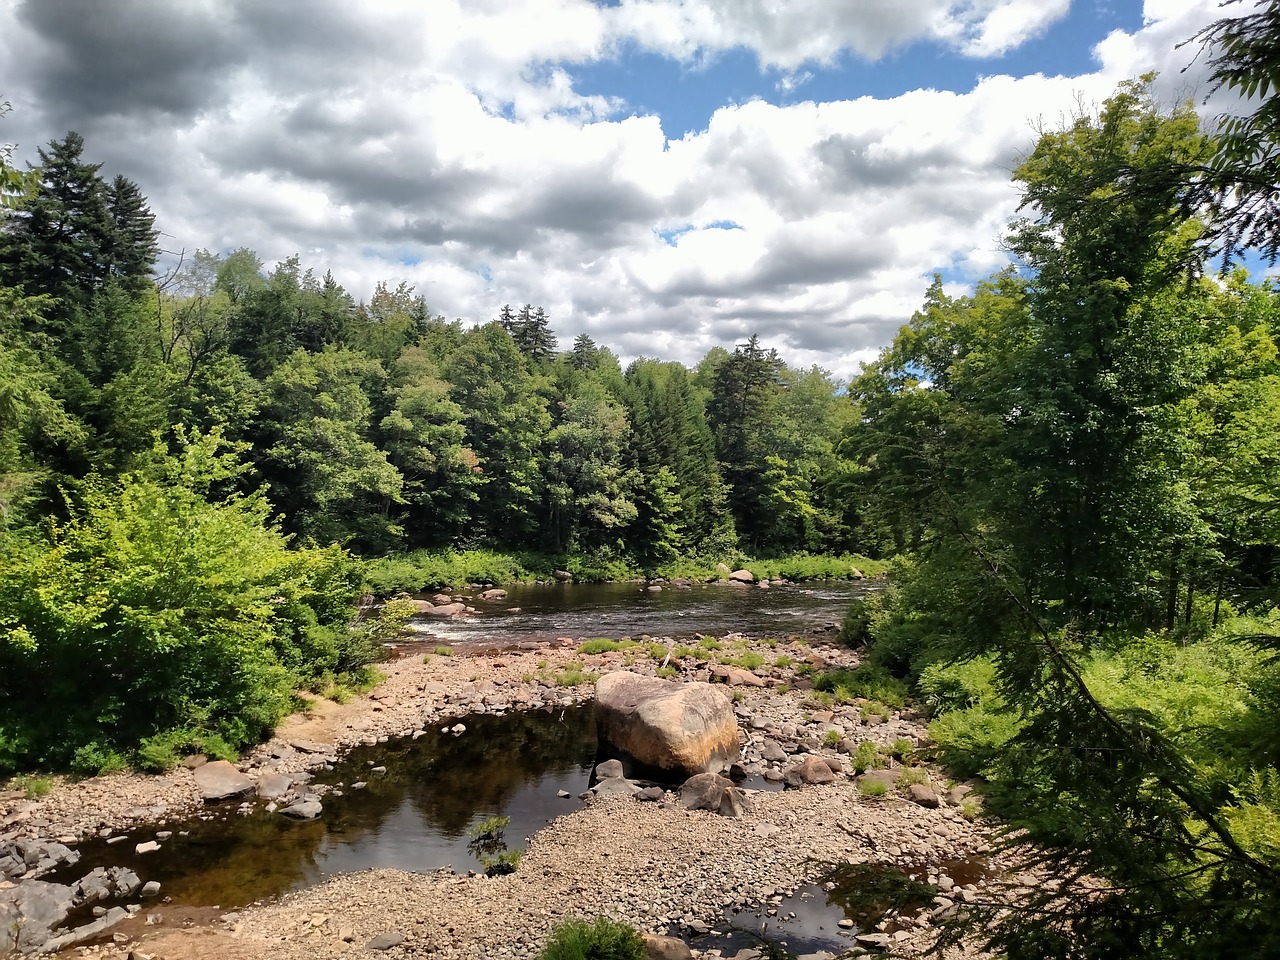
(742, 576)
(810, 770)
(221, 781)
(668, 730)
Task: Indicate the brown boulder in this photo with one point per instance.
(735, 676)
(742, 576)
(810, 770)
(665, 948)
(673, 730)
(446, 610)
(221, 781)
(925, 796)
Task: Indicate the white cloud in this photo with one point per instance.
(457, 138)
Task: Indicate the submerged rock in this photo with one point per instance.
(303, 810)
(671, 729)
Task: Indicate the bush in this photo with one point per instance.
(601, 939)
(154, 609)
(866, 757)
(872, 788)
(165, 750)
(855, 630)
(604, 645)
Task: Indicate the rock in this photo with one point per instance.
(722, 567)
(742, 576)
(151, 888)
(273, 786)
(710, 791)
(385, 941)
(651, 794)
(447, 610)
(735, 676)
(221, 781)
(665, 948)
(563, 794)
(494, 594)
(150, 846)
(772, 752)
(845, 923)
(303, 810)
(810, 770)
(310, 746)
(615, 787)
(422, 606)
(856, 574)
(85, 933)
(672, 729)
(458, 729)
(957, 793)
(888, 777)
(874, 941)
(925, 796)
(30, 911)
(564, 576)
(610, 768)
(194, 760)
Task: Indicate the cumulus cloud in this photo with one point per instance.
(448, 145)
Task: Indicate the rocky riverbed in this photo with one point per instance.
(656, 864)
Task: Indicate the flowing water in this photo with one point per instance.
(542, 613)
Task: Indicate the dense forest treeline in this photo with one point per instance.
(378, 425)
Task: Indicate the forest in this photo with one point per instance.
(1073, 467)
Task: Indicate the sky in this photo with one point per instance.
(664, 175)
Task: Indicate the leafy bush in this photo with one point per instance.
(855, 629)
(154, 609)
(604, 645)
(500, 864)
(601, 939)
(165, 750)
(866, 757)
(872, 788)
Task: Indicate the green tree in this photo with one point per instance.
(317, 454)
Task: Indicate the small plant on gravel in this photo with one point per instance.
(604, 645)
(782, 688)
(599, 939)
(443, 651)
(573, 675)
(805, 670)
(832, 739)
(783, 662)
(750, 660)
(709, 643)
(872, 788)
(679, 653)
(866, 757)
(502, 863)
(820, 699)
(738, 696)
(874, 708)
(903, 749)
(910, 775)
(526, 678)
(667, 672)
(971, 808)
(32, 786)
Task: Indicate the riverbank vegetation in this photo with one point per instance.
(1079, 461)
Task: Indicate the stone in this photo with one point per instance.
(742, 576)
(710, 791)
(422, 606)
(665, 948)
(615, 787)
(651, 794)
(673, 730)
(303, 810)
(385, 941)
(888, 777)
(273, 786)
(447, 610)
(610, 768)
(194, 760)
(772, 752)
(86, 932)
(221, 781)
(810, 770)
(150, 846)
(923, 795)
(874, 941)
(735, 676)
(151, 888)
(563, 794)
(563, 576)
(494, 594)
(310, 746)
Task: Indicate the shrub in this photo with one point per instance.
(165, 750)
(872, 788)
(33, 787)
(832, 739)
(667, 672)
(869, 682)
(573, 675)
(501, 863)
(910, 775)
(604, 645)
(443, 651)
(866, 757)
(601, 939)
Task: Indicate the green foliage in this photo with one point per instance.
(34, 788)
(599, 939)
(605, 645)
(832, 739)
(867, 757)
(165, 750)
(490, 829)
(501, 864)
(573, 675)
(155, 609)
(873, 788)
(865, 681)
(668, 672)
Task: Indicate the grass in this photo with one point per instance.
(872, 788)
(709, 643)
(874, 708)
(599, 939)
(443, 651)
(910, 775)
(419, 570)
(866, 757)
(502, 863)
(832, 739)
(573, 675)
(783, 662)
(33, 787)
(490, 829)
(866, 682)
(604, 645)
(667, 672)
